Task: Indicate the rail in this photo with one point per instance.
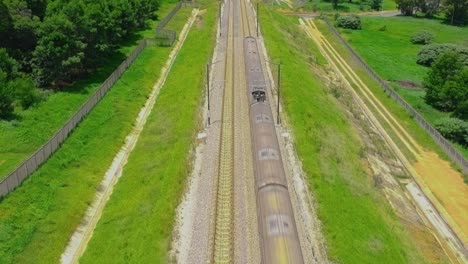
(454, 155)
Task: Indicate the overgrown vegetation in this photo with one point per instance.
(138, 220)
(53, 200)
(55, 43)
(359, 225)
(454, 12)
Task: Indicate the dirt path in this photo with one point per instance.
(432, 174)
(82, 235)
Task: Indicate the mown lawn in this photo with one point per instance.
(38, 218)
(358, 224)
(391, 54)
(19, 138)
(136, 225)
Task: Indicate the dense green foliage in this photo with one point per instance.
(348, 21)
(447, 82)
(454, 11)
(422, 37)
(53, 200)
(55, 43)
(430, 53)
(453, 129)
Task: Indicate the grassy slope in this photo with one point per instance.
(397, 60)
(137, 223)
(37, 219)
(359, 225)
(402, 116)
(20, 138)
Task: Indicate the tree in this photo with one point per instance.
(59, 51)
(457, 11)
(447, 82)
(406, 7)
(8, 65)
(376, 4)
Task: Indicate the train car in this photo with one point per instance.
(279, 241)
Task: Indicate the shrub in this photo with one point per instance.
(453, 129)
(462, 110)
(6, 98)
(26, 93)
(422, 37)
(349, 21)
(429, 53)
(383, 28)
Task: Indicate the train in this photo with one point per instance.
(279, 240)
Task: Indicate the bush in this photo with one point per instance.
(429, 53)
(446, 82)
(6, 97)
(453, 129)
(349, 21)
(422, 37)
(26, 93)
(462, 110)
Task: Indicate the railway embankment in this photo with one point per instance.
(137, 222)
(359, 224)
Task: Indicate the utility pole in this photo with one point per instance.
(278, 121)
(220, 13)
(208, 90)
(257, 17)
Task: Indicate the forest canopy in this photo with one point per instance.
(52, 43)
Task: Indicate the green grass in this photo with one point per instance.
(137, 222)
(393, 57)
(38, 218)
(410, 125)
(358, 224)
(33, 127)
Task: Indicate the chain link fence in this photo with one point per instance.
(167, 37)
(438, 138)
(15, 178)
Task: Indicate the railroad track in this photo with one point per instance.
(234, 65)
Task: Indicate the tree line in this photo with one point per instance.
(52, 43)
(454, 11)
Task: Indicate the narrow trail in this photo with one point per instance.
(433, 176)
(80, 238)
